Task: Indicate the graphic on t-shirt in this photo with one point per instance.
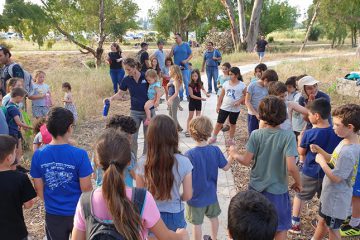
(57, 174)
(230, 93)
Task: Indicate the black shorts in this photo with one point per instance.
(332, 223)
(58, 227)
(222, 116)
(195, 105)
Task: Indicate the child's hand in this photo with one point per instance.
(232, 151)
(320, 160)
(217, 109)
(203, 99)
(208, 95)
(315, 148)
(296, 187)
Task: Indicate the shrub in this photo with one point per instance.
(271, 39)
(221, 40)
(314, 34)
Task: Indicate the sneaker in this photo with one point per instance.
(225, 128)
(346, 222)
(295, 229)
(207, 237)
(22, 169)
(212, 140)
(349, 231)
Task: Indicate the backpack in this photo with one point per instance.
(97, 229)
(214, 55)
(4, 111)
(28, 83)
(45, 135)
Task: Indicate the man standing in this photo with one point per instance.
(143, 57)
(260, 47)
(212, 58)
(182, 54)
(160, 55)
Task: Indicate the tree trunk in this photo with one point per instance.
(102, 36)
(310, 27)
(242, 20)
(254, 25)
(234, 32)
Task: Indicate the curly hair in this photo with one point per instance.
(349, 114)
(125, 123)
(272, 110)
(201, 128)
(277, 88)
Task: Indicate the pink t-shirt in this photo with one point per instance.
(150, 215)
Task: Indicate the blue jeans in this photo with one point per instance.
(212, 74)
(186, 79)
(253, 123)
(117, 76)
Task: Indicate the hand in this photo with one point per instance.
(232, 151)
(214, 58)
(183, 233)
(203, 99)
(106, 99)
(320, 160)
(314, 148)
(184, 62)
(296, 187)
(311, 97)
(27, 127)
(217, 109)
(208, 95)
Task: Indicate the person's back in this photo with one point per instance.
(4, 128)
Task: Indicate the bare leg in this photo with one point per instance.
(297, 207)
(356, 207)
(281, 235)
(197, 233)
(149, 104)
(198, 113)
(321, 229)
(232, 131)
(214, 227)
(191, 115)
(217, 128)
(334, 234)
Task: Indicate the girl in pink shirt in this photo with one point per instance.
(112, 202)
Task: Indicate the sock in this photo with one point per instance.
(295, 220)
(354, 222)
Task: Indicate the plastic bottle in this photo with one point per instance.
(106, 107)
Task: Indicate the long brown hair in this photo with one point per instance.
(113, 153)
(163, 143)
(176, 73)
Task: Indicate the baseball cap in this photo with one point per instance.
(307, 81)
(143, 44)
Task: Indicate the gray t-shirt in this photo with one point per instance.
(270, 147)
(297, 120)
(257, 93)
(181, 168)
(160, 56)
(4, 128)
(336, 197)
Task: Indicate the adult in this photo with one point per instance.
(143, 57)
(160, 54)
(116, 69)
(260, 47)
(137, 85)
(212, 58)
(182, 54)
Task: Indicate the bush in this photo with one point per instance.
(271, 39)
(90, 63)
(221, 40)
(5, 44)
(314, 34)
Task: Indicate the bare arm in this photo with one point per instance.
(187, 188)
(120, 95)
(28, 204)
(220, 100)
(77, 234)
(191, 93)
(203, 66)
(294, 172)
(323, 164)
(36, 97)
(163, 233)
(249, 105)
(85, 184)
(171, 53)
(20, 123)
(242, 159)
(298, 108)
(317, 149)
(39, 187)
(159, 93)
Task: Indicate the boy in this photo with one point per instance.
(16, 192)
(251, 216)
(61, 173)
(339, 169)
(312, 175)
(14, 122)
(255, 92)
(127, 125)
(206, 160)
(274, 152)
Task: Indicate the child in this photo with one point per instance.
(273, 151)
(38, 141)
(13, 119)
(206, 160)
(337, 185)
(223, 78)
(166, 76)
(127, 125)
(256, 91)
(155, 66)
(258, 71)
(13, 83)
(251, 216)
(61, 172)
(312, 175)
(163, 170)
(68, 100)
(4, 128)
(195, 104)
(174, 88)
(153, 91)
(16, 192)
(228, 105)
(41, 92)
(112, 204)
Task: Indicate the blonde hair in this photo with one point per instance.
(152, 73)
(201, 128)
(37, 73)
(176, 73)
(12, 82)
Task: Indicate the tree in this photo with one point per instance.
(234, 29)
(254, 25)
(242, 20)
(316, 9)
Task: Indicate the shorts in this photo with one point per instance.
(222, 116)
(332, 223)
(282, 204)
(40, 111)
(311, 186)
(173, 221)
(356, 187)
(165, 81)
(253, 123)
(261, 54)
(195, 215)
(58, 227)
(195, 105)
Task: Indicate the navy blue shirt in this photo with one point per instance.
(12, 112)
(138, 91)
(326, 139)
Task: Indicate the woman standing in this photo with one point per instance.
(116, 69)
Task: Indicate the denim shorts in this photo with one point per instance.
(261, 54)
(174, 221)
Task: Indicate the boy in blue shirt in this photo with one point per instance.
(312, 175)
(61, 173)
(206, 160)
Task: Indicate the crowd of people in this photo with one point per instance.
(116, 194)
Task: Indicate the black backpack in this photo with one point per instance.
(97, 229)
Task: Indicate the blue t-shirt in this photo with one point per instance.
(182, 52)
(208, 58)
(12, 112)
(326, 139)
(152, 91)
(206, 161)
(160, 56)
(4, 128)
(138, 91)
(257, 93)
(61, 167)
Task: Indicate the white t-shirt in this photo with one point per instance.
(232, 94)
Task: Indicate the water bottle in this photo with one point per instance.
(106, 107)
(48, 100)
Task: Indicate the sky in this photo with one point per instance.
(145, 5)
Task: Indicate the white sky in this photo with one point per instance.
(145, 5)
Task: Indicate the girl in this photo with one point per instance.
(258, 71)
(41, 91)
(195, 88)
(116, 68)
(156, 66)
(154, 91)
(231, 97)
(163, 170)
(68, 101)
(12, 83)
(223, 78)
(174, 88)
(166, 76)
(38, 142)
(111, 202)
